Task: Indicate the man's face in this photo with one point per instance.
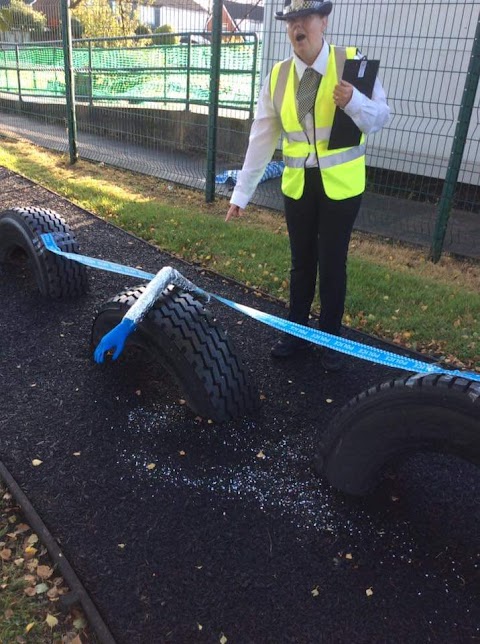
(306, 35)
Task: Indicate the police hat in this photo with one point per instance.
(299, 8)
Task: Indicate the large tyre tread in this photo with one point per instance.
(56, 276)
(388, 422)
(178, 319)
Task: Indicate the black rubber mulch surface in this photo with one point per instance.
(217, 541)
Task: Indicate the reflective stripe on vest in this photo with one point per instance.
(301, 137)
(339, 182)
(348, 154)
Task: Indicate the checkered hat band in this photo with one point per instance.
(303, 5)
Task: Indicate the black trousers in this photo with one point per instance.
(319, 230)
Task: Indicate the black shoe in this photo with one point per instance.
(289, 346)
(332, 360)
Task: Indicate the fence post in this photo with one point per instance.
(17, 58)
(458, 147)
(189, 62)
(214, 94)
(254, 76)
(90, 76)
(69, 81)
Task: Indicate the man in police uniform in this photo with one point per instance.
(322, 187)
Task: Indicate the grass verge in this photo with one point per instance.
(394, 292)
(31, 588)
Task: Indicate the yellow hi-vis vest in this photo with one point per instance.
(342, 170)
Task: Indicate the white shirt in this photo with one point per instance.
(370, 115)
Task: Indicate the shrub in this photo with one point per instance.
(165, 36)
(142, 30)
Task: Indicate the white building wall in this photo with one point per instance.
(424, 50)
(182, 20)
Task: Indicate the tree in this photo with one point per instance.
(99, 19)
(77, 28)
(20, 16)
(4, 23)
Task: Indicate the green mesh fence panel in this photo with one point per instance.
(164, 73)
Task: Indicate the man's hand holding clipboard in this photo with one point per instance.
(361, 73)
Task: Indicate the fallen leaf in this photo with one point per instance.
(151, 466)
(199, 626)
(315, 592)
(33, 563)
(36, 462)
(369, 592)
(51, 620)
(5, 554)
(182, 453)
(223, 639)
(329, 400)
(33, 538)
(41, 588)
(348, 556)
(29, 627)
(261, 454)
(76, 640)
(30, 591)
(44, 572)
(77, 453)
(79, 623)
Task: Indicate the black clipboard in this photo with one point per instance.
(361, 73)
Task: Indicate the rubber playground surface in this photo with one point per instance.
(183, 530)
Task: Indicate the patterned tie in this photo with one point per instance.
(307, 91)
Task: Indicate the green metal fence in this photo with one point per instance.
(148, 107)
(132, 72)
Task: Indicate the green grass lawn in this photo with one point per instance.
(394, 292)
